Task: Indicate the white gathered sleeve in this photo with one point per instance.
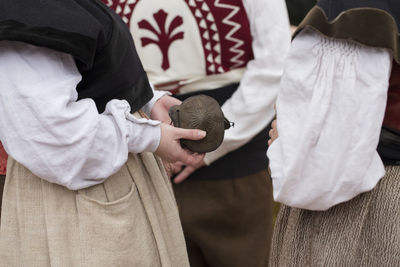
(60, 139)
(157, 94)
(251, 107)
(330, 110)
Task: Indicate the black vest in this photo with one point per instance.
(373, 23)
(95, 36)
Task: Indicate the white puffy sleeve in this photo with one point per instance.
(330, 110)
(60, 139)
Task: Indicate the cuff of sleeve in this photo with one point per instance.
(149, 106)
(143, 134)
(215, 155)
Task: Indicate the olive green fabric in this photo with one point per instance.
(368, 26)
(227, 222)
(364, 231)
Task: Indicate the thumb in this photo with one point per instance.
(191, 134)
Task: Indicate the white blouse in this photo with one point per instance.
(330, 110)
(60, 139)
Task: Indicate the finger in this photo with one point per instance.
(168, 168)
(179, 164)
(273, 135)
(194, 159)
(175, 168)
(184, 174)
(187, 157)
(191, 134)
(274, 124)
(194, 154)
(269, 142)
(270, 133)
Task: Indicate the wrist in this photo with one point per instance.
(143, 135)
(149, 107)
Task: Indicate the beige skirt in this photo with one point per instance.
(129, 220)
(364, 231)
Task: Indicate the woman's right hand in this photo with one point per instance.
(170, 149)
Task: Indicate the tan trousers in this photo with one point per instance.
(129, 220)
(227, 223)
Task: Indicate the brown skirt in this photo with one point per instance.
(364, 231)
(129, 220)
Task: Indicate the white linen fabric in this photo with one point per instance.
(251, 107)
(60, 139)
(330, 110)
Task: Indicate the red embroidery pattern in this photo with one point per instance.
(224, 28)
(3, 160)
(123, 8)
(165, 36)
(209, 36)
(225, 32)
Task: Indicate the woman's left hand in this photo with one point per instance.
(273, 133)
(186, 171)
(161, 107)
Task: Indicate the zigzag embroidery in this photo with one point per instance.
(236, 26)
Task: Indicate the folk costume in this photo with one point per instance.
(234, 52)
(3, 160)
(3, 166)
(338, 102)
(74, 194)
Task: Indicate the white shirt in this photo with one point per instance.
(60, 139)
(251, 107)
(330, 110)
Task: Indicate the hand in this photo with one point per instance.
(173, 168)
(161, 107)
(273, 133)
(170, 149)
(188, 170)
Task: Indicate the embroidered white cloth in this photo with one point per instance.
(60, 139)
(330, 110)
(251, 106)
